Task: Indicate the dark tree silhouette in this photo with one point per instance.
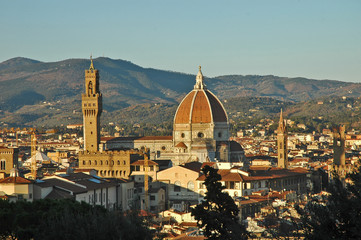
(67, 219)
(340, 217)
(217, 214)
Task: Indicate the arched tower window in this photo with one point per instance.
(3, 164)
(90, 88)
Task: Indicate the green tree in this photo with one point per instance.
(67, 219)
(340, 217)
(217, 214)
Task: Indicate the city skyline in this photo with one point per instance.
(312, 39)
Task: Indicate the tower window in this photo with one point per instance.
(182, 135)
(200, 135)
(91, 132)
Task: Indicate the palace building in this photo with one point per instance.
(107, 163)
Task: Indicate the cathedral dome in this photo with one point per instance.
(200, 106)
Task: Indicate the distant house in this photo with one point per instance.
(181, 184)
(16, 188)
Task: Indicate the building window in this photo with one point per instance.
(177, 186)
(95, 162)
(231, 185)
(152, 197)
(90, 162)
(118, 162)
(183, 135)
(190, 186)
(219, 134)
(200, 135)
(163, 148)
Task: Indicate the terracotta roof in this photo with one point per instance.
(181, 145)
(211, 164)
(195, 166)
(155, 138)
(200, 106)
(141, 162)
(18, 180)
(269, 173)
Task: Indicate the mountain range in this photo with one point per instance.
(34, 92)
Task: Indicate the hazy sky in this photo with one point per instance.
(314, 39)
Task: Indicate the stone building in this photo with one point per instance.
(339, 162)
(8, 159)
(282, 143)
(106, 163)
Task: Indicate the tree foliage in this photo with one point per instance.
(217, 214)
(340, 217)
(67, 219)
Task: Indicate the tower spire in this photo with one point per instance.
(281, 122)
(199, 80)
(91, 63)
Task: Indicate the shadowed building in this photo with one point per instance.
(8, 159)
(339, 163)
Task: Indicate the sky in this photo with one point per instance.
(318, 39)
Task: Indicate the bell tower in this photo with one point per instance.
(92, 109)
(282, 143)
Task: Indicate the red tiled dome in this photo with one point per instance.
(200, 106)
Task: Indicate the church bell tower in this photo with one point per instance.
(92, 109)
(282, 143)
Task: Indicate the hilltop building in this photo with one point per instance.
(282, 143)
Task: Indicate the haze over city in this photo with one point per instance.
(313, 39)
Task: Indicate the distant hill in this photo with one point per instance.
(34, 92)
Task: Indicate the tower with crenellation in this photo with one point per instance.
(282, 144)
(92, 109)
(112, 163)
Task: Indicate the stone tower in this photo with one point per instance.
(339, 145)
(282, 143)
(92, 108)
